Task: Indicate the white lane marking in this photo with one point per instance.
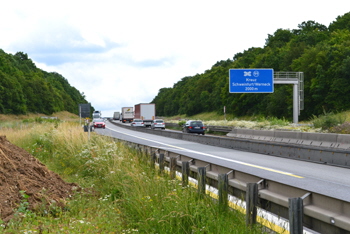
(213, 156)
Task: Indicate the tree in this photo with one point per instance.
(339, 97)
(279, 39)
(12, 99)
(25, 88)
(322, 54)
(341, 23)
(311, 32)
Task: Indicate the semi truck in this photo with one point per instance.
(146, 112)
(116, 115)
(127, 114)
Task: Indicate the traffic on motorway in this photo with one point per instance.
(304, 177)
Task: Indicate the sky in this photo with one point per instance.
(121, 53)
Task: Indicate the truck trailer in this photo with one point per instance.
(146, 112)
(127, 114)
(116, 115)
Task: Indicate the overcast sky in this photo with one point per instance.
(120, 53)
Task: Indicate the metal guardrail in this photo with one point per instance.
(320, 213)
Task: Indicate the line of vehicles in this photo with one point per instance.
(144, 115)
(97, 120)
(143, 111)
(141, 115)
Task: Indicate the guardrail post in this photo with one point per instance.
(153, 160)
(161, 163)
(185, 173)
(251, 203)
(201, 180)
(223, 191)
(172, 167)
(296, 215)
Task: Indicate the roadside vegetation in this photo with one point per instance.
(36, 91)
(320, 52)
(120, 192)
(326, 122)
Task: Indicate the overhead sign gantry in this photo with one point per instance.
(260, 80)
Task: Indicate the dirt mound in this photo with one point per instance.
(20, 171)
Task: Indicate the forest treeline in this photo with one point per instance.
(322, 53)
(24, 88)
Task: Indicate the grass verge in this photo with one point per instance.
(120, 192)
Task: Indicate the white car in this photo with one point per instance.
(137, 123)
(158, 123)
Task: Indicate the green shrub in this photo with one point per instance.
(328, 120)
(181, 123)
(276, 121)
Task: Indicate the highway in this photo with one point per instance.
(323, 179)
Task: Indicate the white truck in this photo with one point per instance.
(116, 115)
(146, 112)
(127, 114)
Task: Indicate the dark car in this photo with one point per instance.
(99, 123)
(194, 126)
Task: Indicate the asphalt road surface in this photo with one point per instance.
(324, 179)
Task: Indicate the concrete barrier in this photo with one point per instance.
(287, 137)
(263, 135)
(343, 141)
(330, 140)
(318, 139)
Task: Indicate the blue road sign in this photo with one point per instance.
(251, 80)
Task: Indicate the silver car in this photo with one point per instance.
(158, 123)
(137, 123)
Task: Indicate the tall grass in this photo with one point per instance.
(326, 121)
(120, 192)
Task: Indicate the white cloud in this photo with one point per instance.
(120, 53)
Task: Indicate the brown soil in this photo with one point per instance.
(20, 171)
